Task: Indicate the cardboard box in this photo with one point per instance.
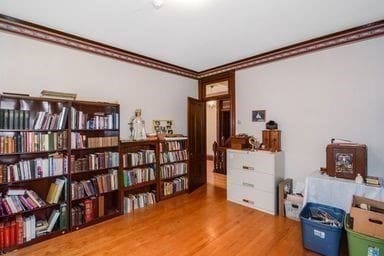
(369, 222)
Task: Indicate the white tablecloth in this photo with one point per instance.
(320, 188)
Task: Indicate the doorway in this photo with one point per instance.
(218, 93)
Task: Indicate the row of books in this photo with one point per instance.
(81, 120)
(20, 200)
(141, 157)
(173, 156)
(87, 210)
(177, 185)
(81, 141)
(50, 121)
(138, 175)
(55, 164)
(94, 161)
(96, 185)
(171, 170)
(21, 229)
(14, 119)
(108, 141)
(172, 145)
(27, 142)
(141, 200)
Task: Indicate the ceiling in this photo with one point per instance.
(197, 34)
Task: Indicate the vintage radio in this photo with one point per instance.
(346, 160)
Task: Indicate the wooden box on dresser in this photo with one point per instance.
(94, 162)
(173, 162)
(253, 178)
(33, 170)
(139, 177)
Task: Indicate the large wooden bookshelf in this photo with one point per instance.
(45, 146)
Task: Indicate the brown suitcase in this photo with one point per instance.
(345, 160)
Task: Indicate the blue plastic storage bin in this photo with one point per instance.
(319, 237)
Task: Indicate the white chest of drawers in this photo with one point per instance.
(253, 177)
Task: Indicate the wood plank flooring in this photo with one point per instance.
(216, 179)
(200, 223)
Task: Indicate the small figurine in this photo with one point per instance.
(138, 126)
(359, 179)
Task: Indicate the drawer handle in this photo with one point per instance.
(248, 184)
(248, 201)
(248, 168)
(375, 221)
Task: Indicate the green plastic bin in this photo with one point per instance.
(360, 244)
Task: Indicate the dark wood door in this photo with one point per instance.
(197, 143)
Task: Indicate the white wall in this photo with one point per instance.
(337, 92)
(29, 66)
(211, 127)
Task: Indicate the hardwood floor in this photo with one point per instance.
(200, 223)
(216, 179)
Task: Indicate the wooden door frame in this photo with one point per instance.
(226, 76)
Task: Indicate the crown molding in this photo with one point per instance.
(348, 36)
(31, 30)
(28, 29)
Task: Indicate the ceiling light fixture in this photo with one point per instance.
(157, 3)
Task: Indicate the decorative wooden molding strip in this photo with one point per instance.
(38, 32)
(364, 32)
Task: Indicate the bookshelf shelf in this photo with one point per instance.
(95, 148)
(139, 185)
(173, 150)
(97, 195)
(162, 197)
(30, 211)
(34, 153)
(138, 166)
(113, 213)
(32, 130)
(174, 177)
(94, 171)
(95, 130)
(174, 162)
(32, 180)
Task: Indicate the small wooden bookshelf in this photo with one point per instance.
(139, 177)
(94, 162)
(173, 166)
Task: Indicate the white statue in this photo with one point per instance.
(138, 126)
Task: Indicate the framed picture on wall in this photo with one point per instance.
(163, 126)
(258, 116)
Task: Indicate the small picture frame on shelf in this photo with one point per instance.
(163, 126)
(258, 116)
